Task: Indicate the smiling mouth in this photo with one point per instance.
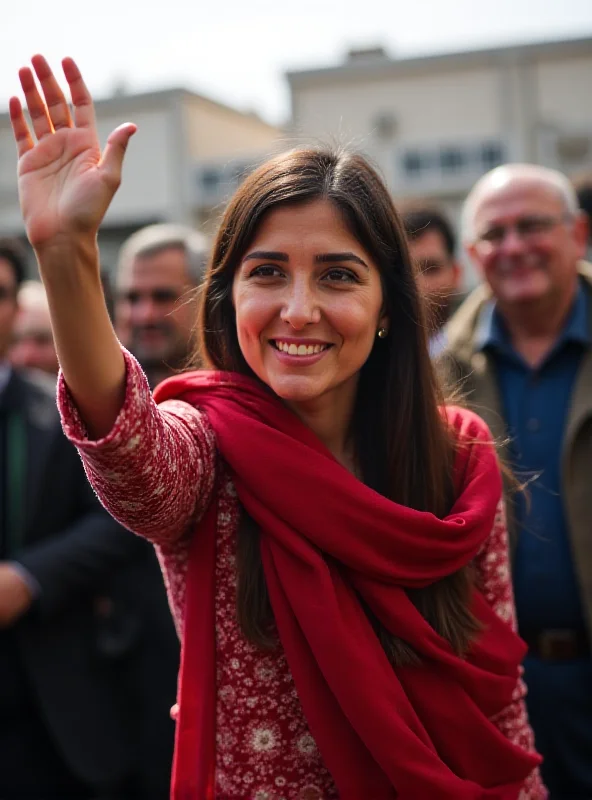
(299, 349)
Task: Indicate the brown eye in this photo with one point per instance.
(266, 271)
(341, 276)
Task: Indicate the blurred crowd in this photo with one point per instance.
(89, 655)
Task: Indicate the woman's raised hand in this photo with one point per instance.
(65, 182)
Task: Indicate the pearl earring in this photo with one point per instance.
(382, 332)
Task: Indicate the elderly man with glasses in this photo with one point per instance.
(521, 346)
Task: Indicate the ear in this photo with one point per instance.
(471, 252)
(458, 274)
(384, 322)
(581, 231)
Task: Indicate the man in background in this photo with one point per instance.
(66, 727)
(158, 272)
(583, 187)
(32, 340)
(432, 246)
(521, 345)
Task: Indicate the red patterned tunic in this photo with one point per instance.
(155, 473)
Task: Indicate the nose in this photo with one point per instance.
(301, 307)
(145, 311)
(512, 243)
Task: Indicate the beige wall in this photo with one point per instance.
(423, 106)
(147, 189)
(565, 92)
(10, 215)
(215, 132)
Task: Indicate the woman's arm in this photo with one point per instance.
(152, 468)
(155, 469)
(65, 187)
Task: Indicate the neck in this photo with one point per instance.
(330, 420)
(534, 328)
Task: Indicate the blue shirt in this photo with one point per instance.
(535, 405)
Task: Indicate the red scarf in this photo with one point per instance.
(412, 732)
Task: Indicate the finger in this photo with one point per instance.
(113, 155)
(56, 103)
(84, 110)
(39, 116)
(22, 135)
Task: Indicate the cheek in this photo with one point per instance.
(355, 321)
(488, 268)
(561, 254)
(253, 313)
(8, 316)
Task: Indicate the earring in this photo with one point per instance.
(382, 332)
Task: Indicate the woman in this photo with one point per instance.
(333, 542)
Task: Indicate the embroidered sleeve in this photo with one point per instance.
(493, 574)
(154, 471)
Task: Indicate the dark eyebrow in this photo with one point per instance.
(262, 255)
(335, 258)
(322, 258)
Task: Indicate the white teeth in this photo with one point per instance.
(300, 349)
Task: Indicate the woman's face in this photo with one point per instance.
(308, 302)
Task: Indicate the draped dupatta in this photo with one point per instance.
(326, 540)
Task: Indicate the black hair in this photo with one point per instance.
(421, 219)
(12, 251)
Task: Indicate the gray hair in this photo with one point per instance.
(504, 174)
(32, 295)
(154, 239)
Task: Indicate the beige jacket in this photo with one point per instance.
(478, 383)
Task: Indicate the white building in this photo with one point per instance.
(434, 124)
(186, 158)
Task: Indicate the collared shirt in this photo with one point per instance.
(535, 404)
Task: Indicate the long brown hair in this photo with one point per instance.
(402, 444)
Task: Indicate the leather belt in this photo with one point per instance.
(557, 644)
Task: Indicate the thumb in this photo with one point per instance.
(113, 155)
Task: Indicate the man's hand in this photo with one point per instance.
(15, 595)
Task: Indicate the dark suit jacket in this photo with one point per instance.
(83, 643)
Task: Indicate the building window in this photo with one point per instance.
(210, 179)
(452, 160)
(492, 155)
(417, 162)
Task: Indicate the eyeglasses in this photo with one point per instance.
(526, 228)
(160, 297)
(38, 338)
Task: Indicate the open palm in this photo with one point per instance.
(65, 182)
